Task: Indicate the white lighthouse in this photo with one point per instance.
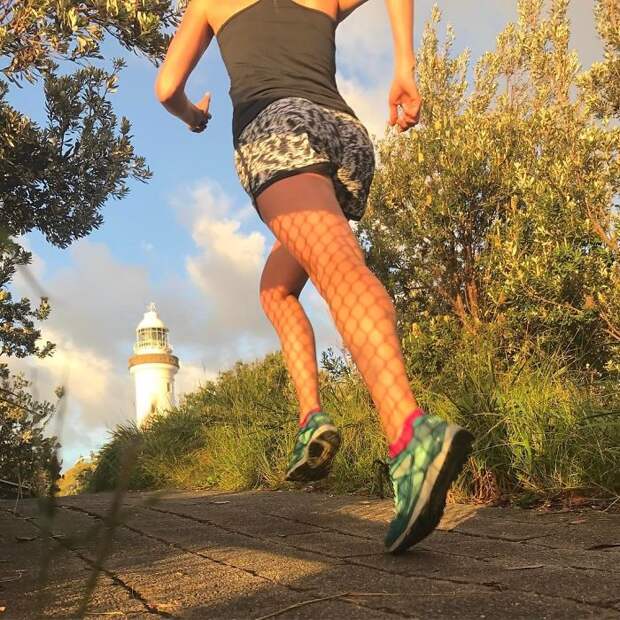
(152, 366)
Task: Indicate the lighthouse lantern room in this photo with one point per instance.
(152, 366)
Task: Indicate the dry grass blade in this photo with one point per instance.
(320, 600)
(111, 521)
(48, 505)
(16, 578)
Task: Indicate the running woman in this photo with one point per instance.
(307, 163)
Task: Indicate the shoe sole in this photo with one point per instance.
(320, 453)
(441, 474)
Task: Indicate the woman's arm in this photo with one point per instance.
(404, 91)
(401, 19)
(186, 48)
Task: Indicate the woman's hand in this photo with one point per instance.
(199, 114)
(404, 93)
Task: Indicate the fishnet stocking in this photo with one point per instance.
(304, 215)
(281, 284)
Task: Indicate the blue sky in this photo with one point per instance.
(189, 239)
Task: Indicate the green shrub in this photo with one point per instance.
(538, 429)
(539, 426)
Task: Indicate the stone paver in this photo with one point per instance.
(288, 554)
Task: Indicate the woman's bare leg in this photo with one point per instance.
(304, 215)
(280, 286)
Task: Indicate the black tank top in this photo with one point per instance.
(278, 48)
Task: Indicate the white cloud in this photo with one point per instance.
(71, 361)
(364, 42)
(369, 103)
(191, 376)
(222, 238)
(97, 395)
(226, 269)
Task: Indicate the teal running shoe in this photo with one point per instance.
(316, 445)
(421, 476)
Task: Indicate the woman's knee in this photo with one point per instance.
(272, 298)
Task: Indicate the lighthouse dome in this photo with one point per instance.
(151, 319)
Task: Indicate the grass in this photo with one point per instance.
(540, 432)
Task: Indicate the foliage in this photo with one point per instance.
(18, 335)
(27, 456)
(502, 207)
(34, 32)
(73, 480)
(106, 472)
(56, 179)
(255, 397)
(540, 427)
(601, 84)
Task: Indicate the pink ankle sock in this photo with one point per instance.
(406, 433)
(307, 416)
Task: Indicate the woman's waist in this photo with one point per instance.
(245, 111)
(264, 84)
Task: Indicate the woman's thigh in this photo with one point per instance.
(303, 213)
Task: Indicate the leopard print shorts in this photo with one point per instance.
(293, 135)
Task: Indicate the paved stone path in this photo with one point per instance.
(287, 554)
